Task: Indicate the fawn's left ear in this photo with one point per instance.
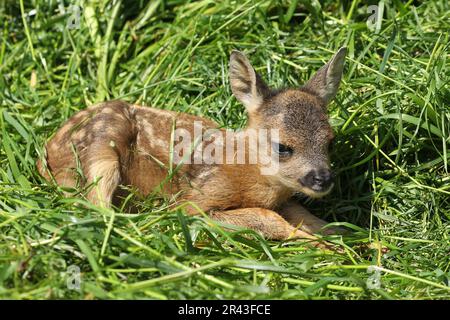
(246, 84)
(325, 83)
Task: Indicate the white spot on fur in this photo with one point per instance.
(98, 126)
(207, 173)
(108, 110)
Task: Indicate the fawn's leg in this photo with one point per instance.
(104, 145)
(267, 222)
(298, 216)
(104, 168)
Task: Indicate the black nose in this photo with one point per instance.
(318, 180)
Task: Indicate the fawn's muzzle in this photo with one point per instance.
(318, 180)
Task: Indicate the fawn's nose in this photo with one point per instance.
(318, 180)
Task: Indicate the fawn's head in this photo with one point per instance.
(300, 116)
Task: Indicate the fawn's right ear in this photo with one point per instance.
(246, 84)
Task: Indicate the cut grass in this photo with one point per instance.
(391, 118)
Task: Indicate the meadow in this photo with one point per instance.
(391, 119)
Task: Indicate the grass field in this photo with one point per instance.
(391, 118)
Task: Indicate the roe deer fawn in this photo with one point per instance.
(116, 143)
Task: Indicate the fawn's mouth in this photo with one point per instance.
(315, 192)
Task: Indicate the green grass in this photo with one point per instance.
(391, 118)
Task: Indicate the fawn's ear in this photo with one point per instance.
(325, 82)
(246, 84)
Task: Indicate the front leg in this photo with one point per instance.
(301, 218)
(267, 222)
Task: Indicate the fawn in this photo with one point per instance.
(115, 143)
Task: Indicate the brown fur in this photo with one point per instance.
(116, 143)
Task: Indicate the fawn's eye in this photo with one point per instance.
(281, 149)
